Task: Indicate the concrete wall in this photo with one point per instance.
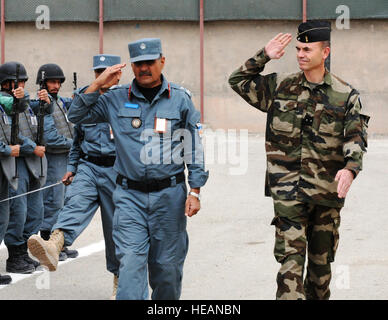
(359, 56)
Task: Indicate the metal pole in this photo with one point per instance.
(101, 27)
(201, 62)
(304, 10)
(2, 31)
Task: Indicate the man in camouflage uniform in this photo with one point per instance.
(315, 140)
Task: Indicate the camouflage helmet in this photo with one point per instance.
(8, 71)
(52, 71)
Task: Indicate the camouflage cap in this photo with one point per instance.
(314, 31)
(145, 49)
(102, 61)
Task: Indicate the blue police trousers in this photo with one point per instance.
(149, 230)
(4, 206)
(92, 187)
(53, 198)
(26, 213)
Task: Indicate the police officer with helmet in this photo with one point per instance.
(25, 212)
(58, 137)
(8, 152)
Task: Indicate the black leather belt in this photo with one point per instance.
(151, 185)
(107, 161)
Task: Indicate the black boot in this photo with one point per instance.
(16, 263)
(70, 253)
(6, 279)
(27, 258)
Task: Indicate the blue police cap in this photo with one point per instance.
(102, 61)
(145, 49)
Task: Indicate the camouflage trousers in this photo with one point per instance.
(302, 227)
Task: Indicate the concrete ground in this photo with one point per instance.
(231, 239)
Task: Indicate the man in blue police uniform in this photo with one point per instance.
(25, 212)
(58, 139)
(155, 126)
(91, 162)
(8, 153)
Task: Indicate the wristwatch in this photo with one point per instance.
(197, 195)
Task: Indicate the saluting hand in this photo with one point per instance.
(275, 47)
(345, 178)
(111, 75)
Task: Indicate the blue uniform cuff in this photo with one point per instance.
(7, 151)
(71, 168)
(199, 180)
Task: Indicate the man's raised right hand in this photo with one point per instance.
(275, 47)
(110, 75)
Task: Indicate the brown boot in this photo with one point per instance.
(115, 284)
(47, 252)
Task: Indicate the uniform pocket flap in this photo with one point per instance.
(129, 113)
(283, 96)
(168, 114)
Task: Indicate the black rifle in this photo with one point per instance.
(15, 118)
(40, 129)
(75, 80)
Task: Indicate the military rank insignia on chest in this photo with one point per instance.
(136, 123)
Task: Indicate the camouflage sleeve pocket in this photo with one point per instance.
(284, 115)
(331, 121)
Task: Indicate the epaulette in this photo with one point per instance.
(175, 86)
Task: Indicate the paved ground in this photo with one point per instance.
(231, 240)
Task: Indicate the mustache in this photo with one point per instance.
(145, 73)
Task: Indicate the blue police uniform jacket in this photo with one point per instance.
(142, 153)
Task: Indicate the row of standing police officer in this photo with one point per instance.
(37, 164)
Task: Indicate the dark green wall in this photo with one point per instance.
(188, 10)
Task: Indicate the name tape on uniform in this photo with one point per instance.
(131, 105)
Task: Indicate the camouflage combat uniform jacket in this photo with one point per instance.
(310, 133)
